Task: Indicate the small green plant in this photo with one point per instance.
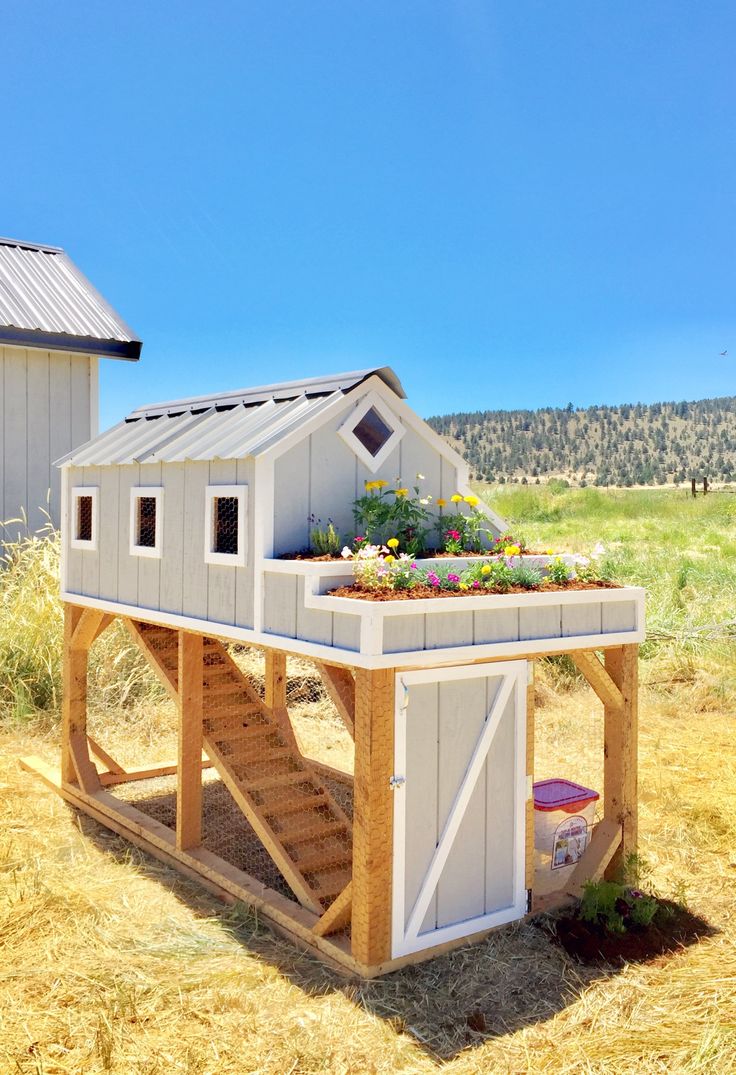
(615, 907)
(324, 540)
(526, 576)
(558, 571)
(381, 511)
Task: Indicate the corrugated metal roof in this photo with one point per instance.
(45, 301)
(310, 386)
(230, 426)
(234, 433)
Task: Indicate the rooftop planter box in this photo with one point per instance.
(298, 605)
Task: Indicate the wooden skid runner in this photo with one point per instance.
(292, 812)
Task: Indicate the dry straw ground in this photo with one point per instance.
(112, 962)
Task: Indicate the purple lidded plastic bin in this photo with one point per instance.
(562, 795)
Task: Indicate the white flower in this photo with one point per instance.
(420, 477)
(580, 561)
(598, 551)
(347, 553)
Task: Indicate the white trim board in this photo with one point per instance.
(407, 939)
(434, 658)
(138, 492)
(93, 493)
(240, 494)
(372, 401)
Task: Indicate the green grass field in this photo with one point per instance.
(682, 550)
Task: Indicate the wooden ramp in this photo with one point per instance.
(253, 748)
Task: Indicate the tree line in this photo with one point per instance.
(629, 444)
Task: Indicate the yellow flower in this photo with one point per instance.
(472, 500)
(393, 543)
(440, 502)
(456, 498)
(550, 552)
(463, 586)
(380, 484)
(369, 485)
(486, 569)
(512, 550)
(389, 559)
(401, 492)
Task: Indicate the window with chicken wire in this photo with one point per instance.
(146, 506)
(84, 520)
(372, 431)
(225, 524)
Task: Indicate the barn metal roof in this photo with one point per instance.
(231, 426)
(45, 301)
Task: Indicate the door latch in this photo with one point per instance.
(396, 782)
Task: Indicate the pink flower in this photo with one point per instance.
(476, 584)
(454, 534)
(453, 578)
(433, 579)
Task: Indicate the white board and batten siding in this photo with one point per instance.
(48, 406)
(321, 477)
(180, 581)
(459, 803)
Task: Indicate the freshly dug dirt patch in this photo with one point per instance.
(418, 593)
(673, 929)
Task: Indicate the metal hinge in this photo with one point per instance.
(396, 782)
(528, 901)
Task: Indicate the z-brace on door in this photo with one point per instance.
(459, 807)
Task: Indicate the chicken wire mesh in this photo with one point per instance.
(265, 808)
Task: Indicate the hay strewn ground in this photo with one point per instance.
(112, 962)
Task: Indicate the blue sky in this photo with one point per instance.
(514, 204)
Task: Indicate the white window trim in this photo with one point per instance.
(136, 493)
(230, 559)
(373, 462)
(75, 542)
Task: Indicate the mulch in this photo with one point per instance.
(592, 945)
(418, 593)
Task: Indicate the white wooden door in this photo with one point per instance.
(459, 806)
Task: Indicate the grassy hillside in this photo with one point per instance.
(632, 444)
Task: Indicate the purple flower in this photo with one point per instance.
(453, 578)
(476, 584)
(433, 579)
(412, 567)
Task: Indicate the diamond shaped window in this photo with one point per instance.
(372, 431)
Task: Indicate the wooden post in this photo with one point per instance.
(373, 815)
(275, 674)
(705, 486)
(692, 486)
(74, 693)
(620, 754)
(189, 766)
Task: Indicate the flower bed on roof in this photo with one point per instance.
(421, 526)
(383, 575)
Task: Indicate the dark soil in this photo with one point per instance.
(673, 929)
(418, 593)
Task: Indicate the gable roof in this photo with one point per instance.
(45, 301)
(233, 425)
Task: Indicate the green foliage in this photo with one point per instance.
(558, 571)
(526, 576)
(31, 634)
(381, 513)
(616, 907)
(324, 540)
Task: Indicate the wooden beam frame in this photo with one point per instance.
(373, 815)
(189, 758)
(599, 678)
(340, 685)
(337, 915)
(620, 780)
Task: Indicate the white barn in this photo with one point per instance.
(54, 326)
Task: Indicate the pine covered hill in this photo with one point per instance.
(631, 444)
